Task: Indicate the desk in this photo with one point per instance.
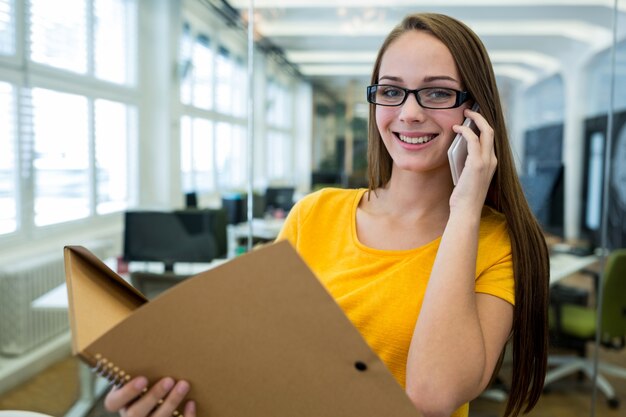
(564, 264)
(57, 297)
(262, 229)
(152, 283)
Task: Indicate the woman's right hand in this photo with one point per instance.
(136, 399)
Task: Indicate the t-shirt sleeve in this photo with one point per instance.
(289, 231)
(495, 264)
(297, 215)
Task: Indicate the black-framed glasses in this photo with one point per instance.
(427, 97)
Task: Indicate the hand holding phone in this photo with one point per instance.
(457, 153)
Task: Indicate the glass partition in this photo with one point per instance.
(560, 82)
(606, 132)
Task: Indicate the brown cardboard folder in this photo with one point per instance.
(257, 336)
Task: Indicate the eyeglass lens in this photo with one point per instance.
(433, 97)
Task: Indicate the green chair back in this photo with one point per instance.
(614, 296)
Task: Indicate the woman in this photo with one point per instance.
(428, 272)
(437, 278)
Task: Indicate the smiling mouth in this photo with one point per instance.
(416, 140)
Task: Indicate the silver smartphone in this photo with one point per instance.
(457, 153)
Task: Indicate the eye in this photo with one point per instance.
(389, 91)
(438, 94)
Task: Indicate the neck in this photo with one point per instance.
(422, 195)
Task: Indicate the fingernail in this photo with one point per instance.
(191, 407)
(182, 387)
(140, 383)
(168, 383)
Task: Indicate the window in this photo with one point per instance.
(224, 81)
(59, 34)
(197, 155)
(7, 27)
(114, 132)
(279, 137)
(231, 84)
(63, 177)
(213, 92)
(114, 47)
(74, 136)
(278, 105)
(231, 155)
(197, 70)
(8, 174)
(59, 37)
(240, 79)
(61, 168)
(279, 155)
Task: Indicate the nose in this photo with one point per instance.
(411, 109)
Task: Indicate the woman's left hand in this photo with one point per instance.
(480, 165)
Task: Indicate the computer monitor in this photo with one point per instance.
(236, 206)
(326, 178)
(174, 236)
(544, 193)
(279, 198)
(191, 200)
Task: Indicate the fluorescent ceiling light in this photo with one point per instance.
(325, 57)
(530, 58)
(577, 30)
(315, 28)
(335, 70)
(525, 76)
(573, 29)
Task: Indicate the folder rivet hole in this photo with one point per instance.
(360, 366)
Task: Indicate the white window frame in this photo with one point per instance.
(22, 73)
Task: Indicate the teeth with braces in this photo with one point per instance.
(414, 141)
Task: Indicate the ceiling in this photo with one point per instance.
(334, 42)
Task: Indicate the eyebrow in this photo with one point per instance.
(426, 79)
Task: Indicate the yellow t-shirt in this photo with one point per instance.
(381, 291)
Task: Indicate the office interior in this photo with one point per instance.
(118, 109)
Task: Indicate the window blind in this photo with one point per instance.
(8, 174)
(7, 27)
(58, 35)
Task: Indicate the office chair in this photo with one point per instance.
(572, 322)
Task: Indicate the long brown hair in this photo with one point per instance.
(529, 250)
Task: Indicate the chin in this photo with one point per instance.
(421, 167)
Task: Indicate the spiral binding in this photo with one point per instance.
(109, 371)
(116, 376)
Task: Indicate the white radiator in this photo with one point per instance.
(23, 327)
